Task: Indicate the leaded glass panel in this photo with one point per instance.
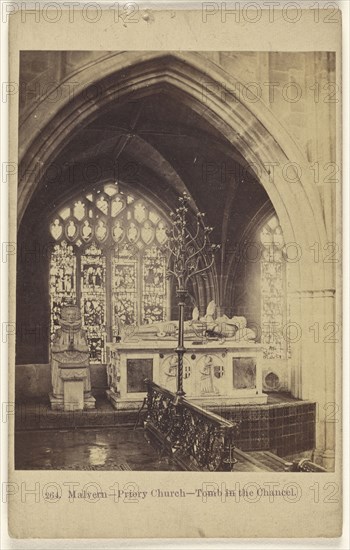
(93, 301)
(71, 230)
(102, 204)
(111, 189)
(272, 291)
(117, 240)
(79, 210)
(124, 291)
(147, 232)
(86, 231)
(154, 288)
(117, 206)
(56, 229)
(62, 280)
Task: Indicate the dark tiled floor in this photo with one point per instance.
(87, 449)
(104, 439)
(107, 449)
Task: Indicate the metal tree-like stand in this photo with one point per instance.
(191, 253)
(176, 423)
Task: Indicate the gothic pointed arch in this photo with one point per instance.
(250, 127)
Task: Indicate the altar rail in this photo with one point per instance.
(197, 439)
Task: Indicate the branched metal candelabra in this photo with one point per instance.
(191, 253)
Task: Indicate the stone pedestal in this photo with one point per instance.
(74, 397)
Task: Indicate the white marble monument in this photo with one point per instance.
(222, 363)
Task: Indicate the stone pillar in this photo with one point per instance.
(332, 408)
(294, 350)
(313, 364)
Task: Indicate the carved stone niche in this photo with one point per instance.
(70, 369)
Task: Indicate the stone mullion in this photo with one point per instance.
(78, 254)
(108, 290)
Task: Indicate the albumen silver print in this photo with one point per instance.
(178, 273)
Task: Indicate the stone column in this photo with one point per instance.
(313, 364)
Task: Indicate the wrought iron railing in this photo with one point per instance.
(197, 439)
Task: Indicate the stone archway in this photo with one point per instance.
(252, 130)
(250, 127)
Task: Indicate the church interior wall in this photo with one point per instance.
(303, 128)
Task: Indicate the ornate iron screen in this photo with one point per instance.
(108, 256)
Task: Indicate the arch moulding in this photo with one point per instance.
(251, 129)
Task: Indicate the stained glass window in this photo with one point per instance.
(108, 257)
(93, 301)
(124, 291)
(62, 280)
(272, 290)
(154, 289)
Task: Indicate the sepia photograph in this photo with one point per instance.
(176, 268)
(175, 252)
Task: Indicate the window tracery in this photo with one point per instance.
(272, 290)
(108, 257)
